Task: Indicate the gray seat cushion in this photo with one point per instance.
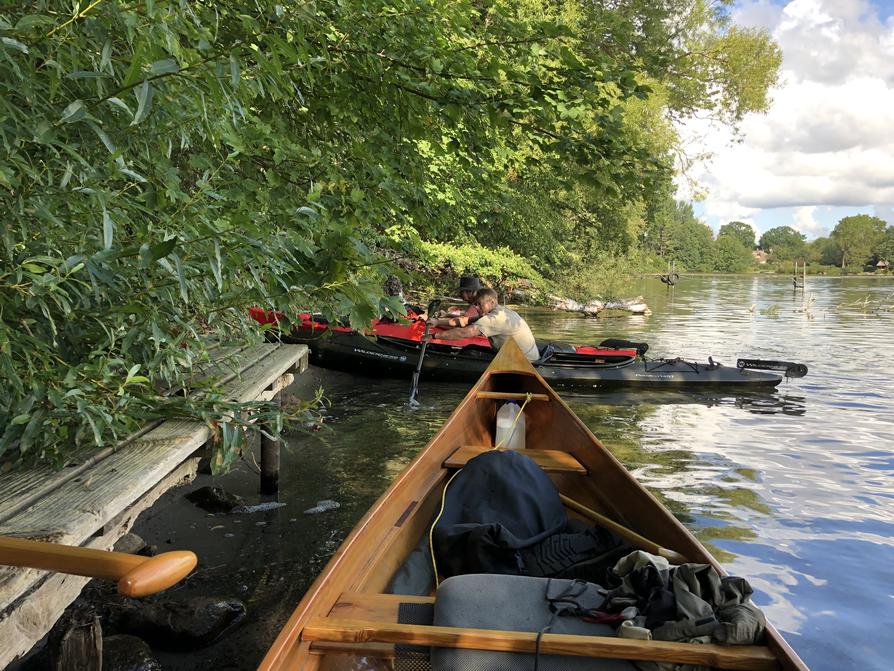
(512, 603)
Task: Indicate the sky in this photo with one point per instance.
(825, 148)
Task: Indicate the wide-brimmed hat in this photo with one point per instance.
(469, 283)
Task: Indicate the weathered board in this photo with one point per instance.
(95, 501)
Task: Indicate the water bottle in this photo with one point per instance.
(513, 438)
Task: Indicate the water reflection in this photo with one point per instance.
(791, 488)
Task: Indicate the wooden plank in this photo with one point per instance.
(27, 619)
(510, 396)
(20, 489)
(266, 372)
(551, 461)
(739, 657)
(79, 507)
(76, 508)
(109, 488)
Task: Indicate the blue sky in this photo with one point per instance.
(825, 148)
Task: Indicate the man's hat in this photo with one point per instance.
(469, 283)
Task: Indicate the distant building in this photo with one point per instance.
(883, 265)
(760, 256)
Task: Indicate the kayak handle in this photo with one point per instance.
(790, 368)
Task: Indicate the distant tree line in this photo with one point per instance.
(674, 233)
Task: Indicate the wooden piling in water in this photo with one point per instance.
(269, 459)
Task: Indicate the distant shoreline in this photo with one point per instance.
(867, 276)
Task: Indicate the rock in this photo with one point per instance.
(149, 551)
(127, 653)
(322, 507)
(179, 624)
(258, 508)
(592, 308)
(214, 499)
(130, 543)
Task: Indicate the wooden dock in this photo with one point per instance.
(95, 500)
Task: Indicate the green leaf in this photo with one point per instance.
(108, 229)
(131, 173)
(106, 57)
(234, 71)
(103, 137)
(74, 112)
(216, 266)
(144, 103)
(164, 67)
(66, 177)
(20, 419)
(10, 43)
(162, 249)
(33, 268)
(181, 277)
(117, 102)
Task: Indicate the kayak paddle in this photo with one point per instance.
(414, 386)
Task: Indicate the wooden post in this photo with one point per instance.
(81, 648)
(269, 459)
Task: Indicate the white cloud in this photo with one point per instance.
(806, 222)
(827, 139)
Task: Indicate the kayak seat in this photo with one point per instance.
(547, 350)
(515, 603)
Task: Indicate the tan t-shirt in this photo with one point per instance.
(502, 323)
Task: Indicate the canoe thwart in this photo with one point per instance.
(742, 657)
(551, 461)
(510, 396)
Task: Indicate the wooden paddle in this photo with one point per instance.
(136, 575)
(635, 539)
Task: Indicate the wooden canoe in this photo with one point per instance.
(347, 615)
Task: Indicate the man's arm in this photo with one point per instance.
(449, 322)
(458, 333)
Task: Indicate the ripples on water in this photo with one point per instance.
(791, 489)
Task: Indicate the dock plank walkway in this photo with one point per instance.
(95, 501)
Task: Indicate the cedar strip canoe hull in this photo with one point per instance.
(394, 525)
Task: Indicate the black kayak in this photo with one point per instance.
(392, 350)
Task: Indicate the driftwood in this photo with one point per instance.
(635, 306)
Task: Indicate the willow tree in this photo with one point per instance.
(165, 165)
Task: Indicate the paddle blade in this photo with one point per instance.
(157, 573)
(790, 368)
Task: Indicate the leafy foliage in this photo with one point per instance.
(784, 243)
(857, 237)
(730, 255)
(165, 165)
(740, 231)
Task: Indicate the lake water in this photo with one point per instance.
(792, 489)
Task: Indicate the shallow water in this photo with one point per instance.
(791, 489)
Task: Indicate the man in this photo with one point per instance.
(469, 285)
(498, 323)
